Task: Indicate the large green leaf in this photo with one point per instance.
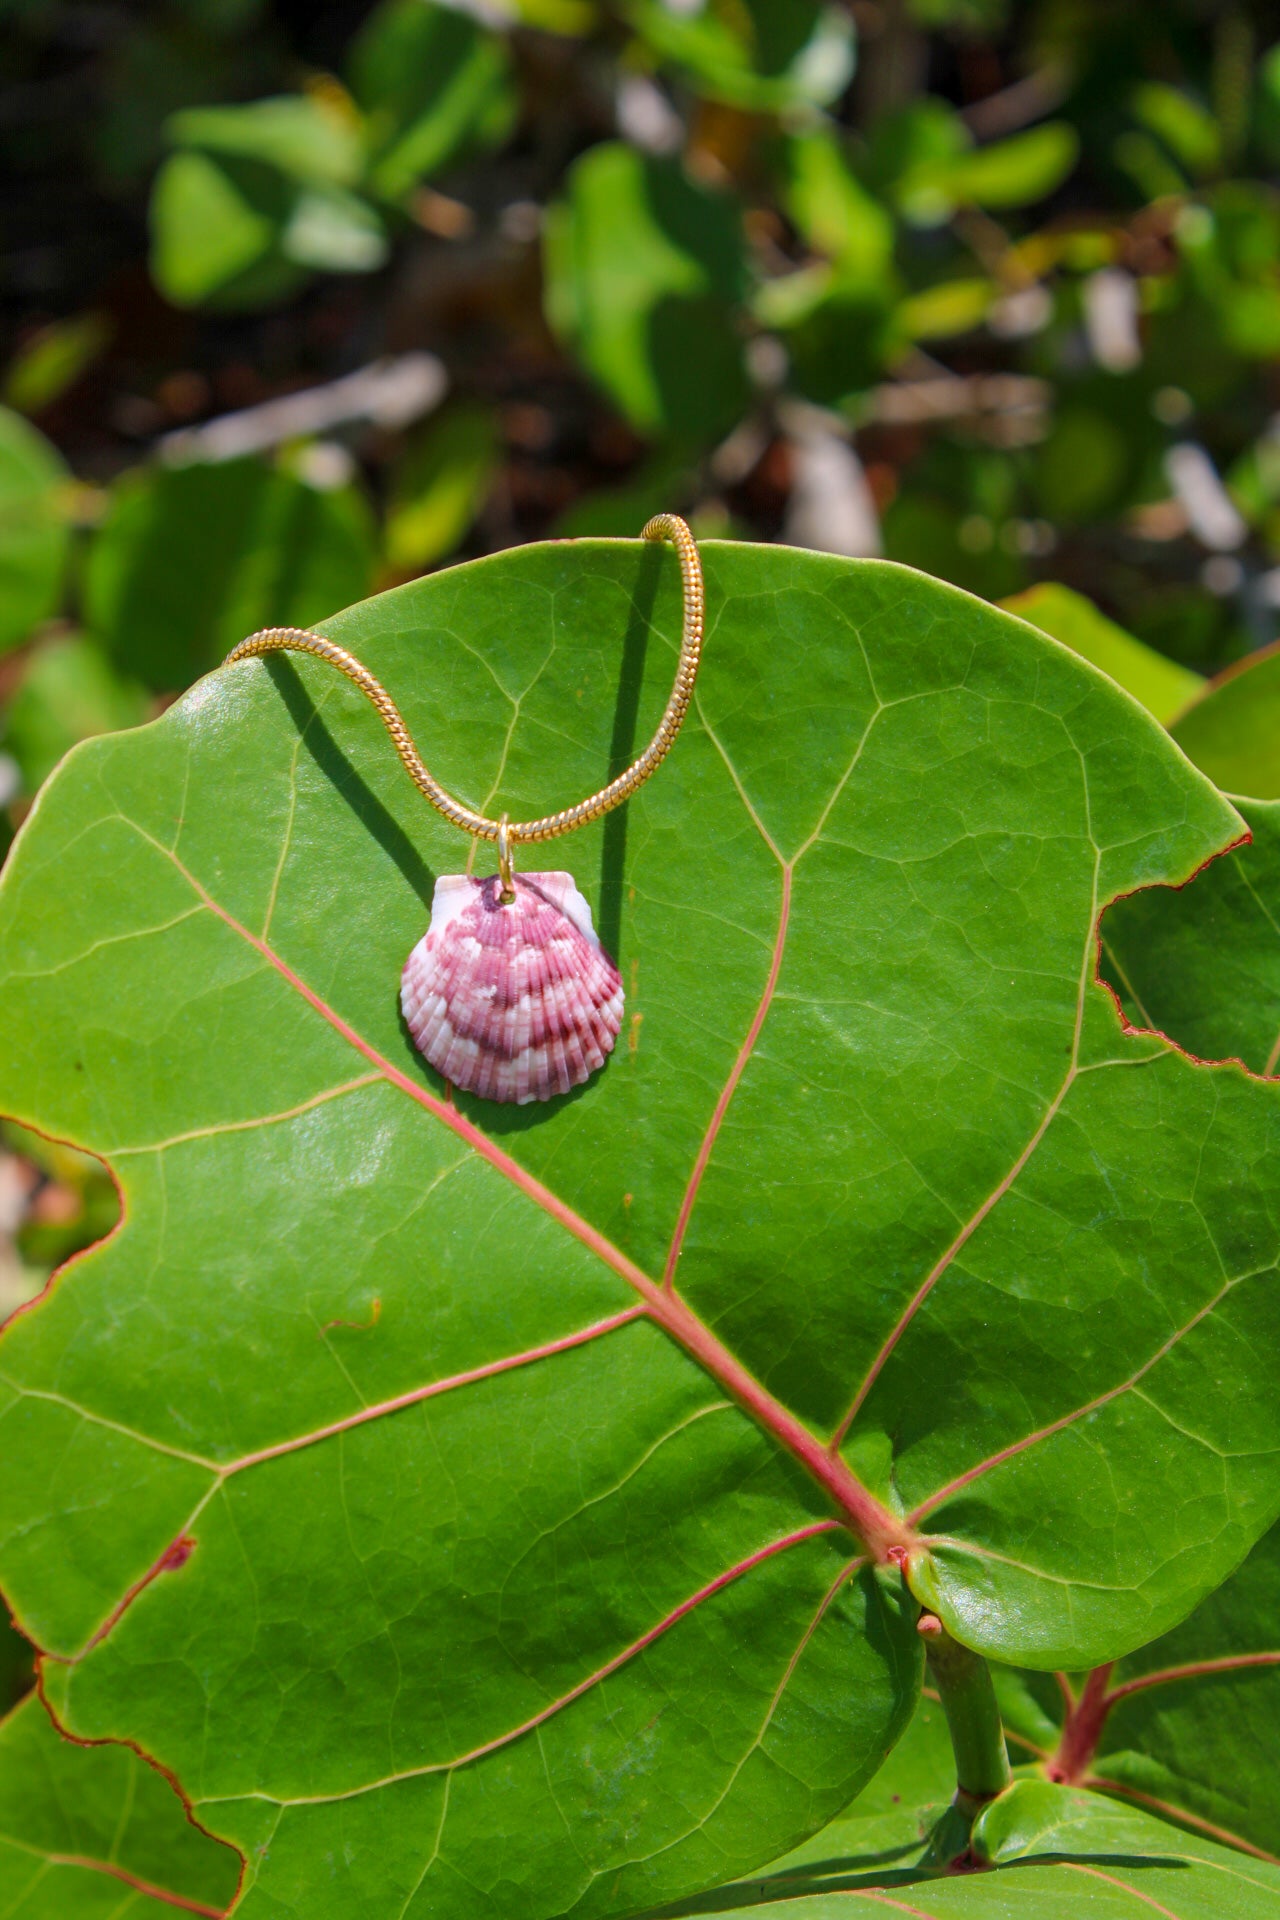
(34, 532)
(190, 559)
(494, 1537)
(93, 1833)
(643, 268)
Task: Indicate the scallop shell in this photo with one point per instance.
(518, 1002)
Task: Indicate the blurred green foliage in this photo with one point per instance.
(990, 288)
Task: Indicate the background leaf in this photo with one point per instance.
(433, 84)
(365, 1598)
(191, 559)
(642, 270)
(764, 55)
(34, 534)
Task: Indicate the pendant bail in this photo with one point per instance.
(507, 891)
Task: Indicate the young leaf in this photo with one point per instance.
(643, 268)
(88, 1833)
(190, 559)
(443, 1551)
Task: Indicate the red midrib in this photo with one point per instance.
(880, 1531)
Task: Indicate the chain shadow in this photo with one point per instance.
(353, 788)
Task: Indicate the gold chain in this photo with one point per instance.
(664, 526)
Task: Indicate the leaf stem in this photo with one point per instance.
(963, 1680)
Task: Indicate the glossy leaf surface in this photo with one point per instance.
(93, 1833)
(429, 1533)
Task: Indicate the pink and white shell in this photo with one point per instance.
(518, 1002)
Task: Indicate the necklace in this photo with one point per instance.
(509, 993)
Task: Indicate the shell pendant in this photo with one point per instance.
(514, 1002)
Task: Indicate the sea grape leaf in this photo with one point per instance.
(433, 83)
(34, 532)
(1163, 686)
(68, 692)
(1233, 731)
(764, 55)
(1054, 1851)
(266, 1515)
(90, 1833)
(190, 559)
(643, 271)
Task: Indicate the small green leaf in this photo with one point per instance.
(434, 84)
(835, 213)
(68, 692)
(949, 308)
(438, 487)
(53, 360)
(763, 55)
(34, 534)
(305, 137)
(643, 270)
(191, 559)
(1189, 131)
(88, 1833)
(1016, 172)
(1162, 686)
(214, 232)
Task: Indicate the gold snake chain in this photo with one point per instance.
(663, 526)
